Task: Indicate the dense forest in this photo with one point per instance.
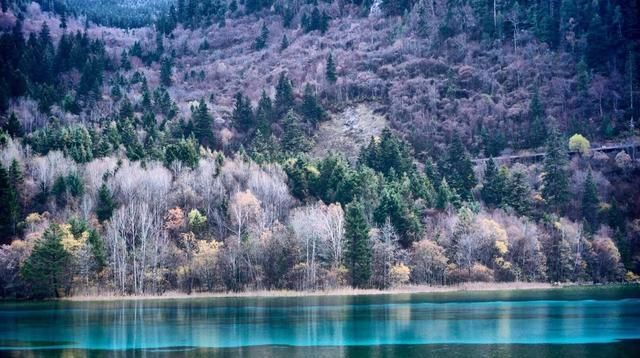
(214, 145)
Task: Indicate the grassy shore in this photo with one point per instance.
(346, 291)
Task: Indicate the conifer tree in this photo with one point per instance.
(261, 40)
(555, 181)
(264, 114)
(46, 269)
(202, 123)
(59, 191)
(298, 182)
(492, 185)
(310, 107)
(97, 249)
(14, 203)
(330, 71)
(293, 138)
(263, 148)
(284, 95)
(166, 72)
(458, 169)
(445, 196)
(5, 210)
(517, 193)
(284, 43)
(396, 7)
(596, 51)
(537, 127)
(13, 127)
(590, 203)
(105, 204)
(358, 245)
(393, 207)
(63, 21)
(243, 114)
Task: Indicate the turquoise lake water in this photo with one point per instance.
(560, 322)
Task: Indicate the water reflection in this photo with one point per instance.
(333, 324)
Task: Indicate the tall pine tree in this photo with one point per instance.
(46, 269)
(106, 204)
(555, 181)
(492, 185)
(166, 72)
(243, 114)
(5, 211)
(458, 169)
(590, 203)
(284, 95)
(330, 71)
(202, 123)
(358, 245)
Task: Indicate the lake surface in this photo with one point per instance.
(549, 323)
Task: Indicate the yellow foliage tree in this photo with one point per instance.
(578, 143)
(400, 274)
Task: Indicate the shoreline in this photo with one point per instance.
(346, 291)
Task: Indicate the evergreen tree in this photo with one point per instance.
(330, 71)
(422, 11)
(445, 196)
(125, 63)
(264, 114)
(127, 131)
(293, 138)
(5, 210)
(555, 181)
(388, 155)
(458, 169)
(517, 193)
(284, 43)
(597, 48)
(284, 95)
(13, 127)
(431, 171)
(296, 170)
(63, 21)
(261, 41)
(263, 148)
(583, 78)
(358, 245)
(393, 207)
(202, 122)
(310, 107)
(14, 203)
(78, 144)
(492, 185)
(324, 22)
(185, 151)
(396, 7)
(59, 191)
(166, 71)
(98, 250)
(537, 128)
(105, 204)
(146, 98)
(46, 268)
(243, 119)
(590, 204)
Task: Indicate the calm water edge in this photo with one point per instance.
(590, 321)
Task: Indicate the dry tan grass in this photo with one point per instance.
(344, 291)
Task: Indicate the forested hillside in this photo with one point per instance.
(212, 145)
